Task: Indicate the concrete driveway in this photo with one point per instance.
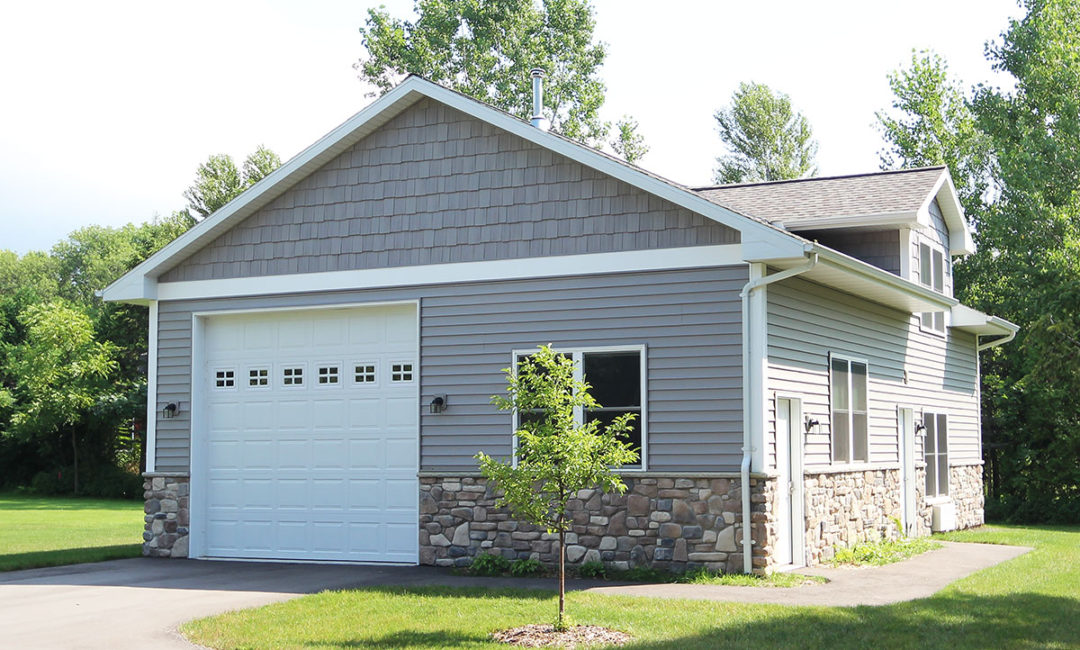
(139, 603)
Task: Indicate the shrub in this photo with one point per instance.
(489, 564)
(595, 570)
(526, 568)
(51, 483)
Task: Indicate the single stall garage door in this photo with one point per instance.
(311, 435)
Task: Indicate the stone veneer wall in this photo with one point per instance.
(167, 515)
(846, 508)
(665, 522)
(966, 489)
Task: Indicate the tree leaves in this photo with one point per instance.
(218, 181)
(767, 140)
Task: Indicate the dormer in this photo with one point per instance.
(908, 222)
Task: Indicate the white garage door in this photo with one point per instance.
(311, 435)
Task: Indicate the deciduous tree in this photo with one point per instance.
(555, 455)
(766, 138)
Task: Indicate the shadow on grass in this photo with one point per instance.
(953, 621)
(20, 502)
(39, 559)
(406, 639)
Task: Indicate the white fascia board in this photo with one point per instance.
(131, 287)
(434, 274)
(971, 320)
(883, 278)
(897, 219)
(960, 240)
(353, 129)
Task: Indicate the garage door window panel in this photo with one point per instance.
(259, 378)
(224, 379)
(292, 376)
(328, 375)
(365, 373)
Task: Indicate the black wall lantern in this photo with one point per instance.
(170, 410)
(919, 428)
(438, 404)
(810, 423)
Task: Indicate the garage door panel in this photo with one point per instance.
(309, 470)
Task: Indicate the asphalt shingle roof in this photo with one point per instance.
(790, 202)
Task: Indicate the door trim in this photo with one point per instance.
(197, 451)
(797, 521)
(908, 487)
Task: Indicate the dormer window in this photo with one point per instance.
(932, 274)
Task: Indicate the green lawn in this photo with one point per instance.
(1030, 602)
(50, 531)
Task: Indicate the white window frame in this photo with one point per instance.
(352, 373)
(327, 364)
(850, 412)
(939, 456)
(579, 412)
(269, 378)
(280, 376)
(412, 371)
(214, 379)
(938, 325)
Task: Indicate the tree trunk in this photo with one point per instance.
(75, 462)
(562, 576)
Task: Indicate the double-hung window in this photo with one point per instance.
(932, 274)
(849, 411)
(618, 386)
(936, 448)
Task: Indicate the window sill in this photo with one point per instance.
(851, 468)
(938, 501)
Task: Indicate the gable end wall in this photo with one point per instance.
(436, 186)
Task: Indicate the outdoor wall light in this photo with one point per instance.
(438, 404)
(170, 410)
(919, 428)
(810, 423)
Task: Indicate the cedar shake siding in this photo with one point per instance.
(435, 186)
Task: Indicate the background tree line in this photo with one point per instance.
(72, 367)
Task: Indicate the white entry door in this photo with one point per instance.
(310, 435)
(906, 426)
(788, 547)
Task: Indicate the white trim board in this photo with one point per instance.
(428, 274)
(151, 389)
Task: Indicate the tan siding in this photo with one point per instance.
(808, 321)
(436, 186)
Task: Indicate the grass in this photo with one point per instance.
(51, 531)
(744, 580)
(884, 552)
(1030, 602)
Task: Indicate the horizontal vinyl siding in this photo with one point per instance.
(689, 321)
(807, 322)
(435, 186)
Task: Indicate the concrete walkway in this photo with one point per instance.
(918, 577)
(140, 603)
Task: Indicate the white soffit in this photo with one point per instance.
(971, 320)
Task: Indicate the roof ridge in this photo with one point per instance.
(818, 178)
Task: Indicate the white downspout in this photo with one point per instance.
(747, 449)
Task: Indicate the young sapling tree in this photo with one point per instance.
(556, 455)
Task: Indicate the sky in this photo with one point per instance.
(107, 108)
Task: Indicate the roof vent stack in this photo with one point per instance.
(538, 120)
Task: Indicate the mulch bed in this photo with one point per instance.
(542, 636)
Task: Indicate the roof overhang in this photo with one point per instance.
(960, 238)
(847, 274)
(971, 320)
(138, 285)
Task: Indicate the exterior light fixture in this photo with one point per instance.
(919, 428)
(810, 423)
(170, 410)
(438, 404)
